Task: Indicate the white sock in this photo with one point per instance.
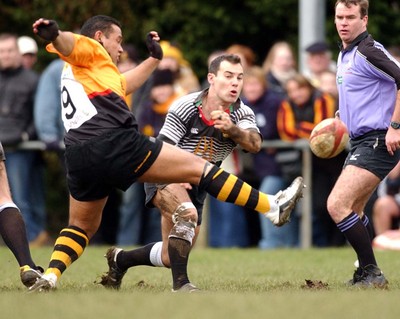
(51, 278)
(272, 204)
(156, 254)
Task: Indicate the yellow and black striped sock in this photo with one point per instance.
(69, 246)
(229, 188)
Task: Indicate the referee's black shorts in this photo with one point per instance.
(369, 151)
(115, 159)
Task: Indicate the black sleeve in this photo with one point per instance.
(379, 59)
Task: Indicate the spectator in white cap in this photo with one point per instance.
(319, 60)
(28, 49)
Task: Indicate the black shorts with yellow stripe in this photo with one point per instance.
(115, 159)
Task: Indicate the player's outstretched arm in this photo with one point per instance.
(48, 30)
(137, 76)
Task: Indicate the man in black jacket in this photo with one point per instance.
(17, 90)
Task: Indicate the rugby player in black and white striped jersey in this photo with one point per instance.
(209, 124)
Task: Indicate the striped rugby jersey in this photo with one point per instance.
(186, 127)
(92, 92)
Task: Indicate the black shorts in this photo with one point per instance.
(115, 159)
(197, 197)
(369, 152)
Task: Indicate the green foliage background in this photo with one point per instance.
(198, 26)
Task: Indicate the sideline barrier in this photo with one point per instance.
(305, 203)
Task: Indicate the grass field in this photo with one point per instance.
(236, 283)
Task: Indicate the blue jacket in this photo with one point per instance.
(265, 110)
(47, 107)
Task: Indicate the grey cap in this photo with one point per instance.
(317, 47)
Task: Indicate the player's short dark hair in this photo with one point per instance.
(215, 64)
(99, 23)
(364, 4)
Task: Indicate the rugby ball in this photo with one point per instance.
(329, 138)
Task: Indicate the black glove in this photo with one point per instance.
(154, 47)
(49, 31)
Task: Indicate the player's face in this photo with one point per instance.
(228, 82)
(112, 43)
(349, 23)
